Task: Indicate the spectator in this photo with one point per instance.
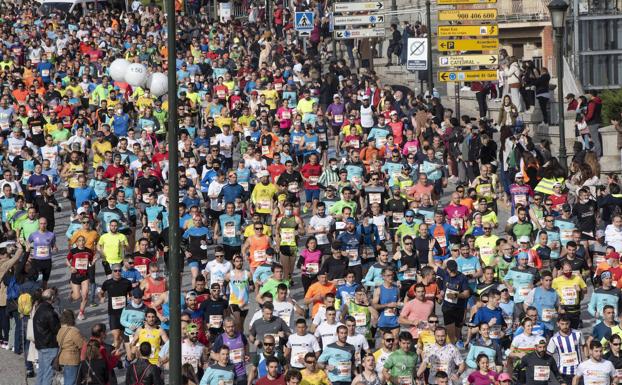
(46, 324)
(395, 45)
(70, 343)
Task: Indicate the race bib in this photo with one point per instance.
(353, 254)
(548, 314)
(236, 356)
(313, 268)
(524, 291)
(596, 377)
(259, 255)
(42, 251)
(520, 199)
(313, 179)
(264, 204)
(361, 319)
(565, 235)
(410, 275)
(390, 312)
(569, 296)
(338, 118)
(118, 302)
(344, 368)
(215, 321)
(286, 315)
(81, 263)
(292, 187)
(311, 146)
(229, 231)
(568, 359)
(375, 198)
(142, 269)
(496, 332)
(288, 236)
(265, 150)
(244, 185)
(355, 143)
(398, 217)
(541, 373)
(404, 380)
(458, 223)
(441, 367)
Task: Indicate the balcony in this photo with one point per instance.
(522, 10)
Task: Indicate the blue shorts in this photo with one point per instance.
(312, 195)
(194, 264)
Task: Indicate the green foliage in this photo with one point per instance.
(612, 105)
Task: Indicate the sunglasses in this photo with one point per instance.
(258, 228)
(487, 228)
(268, 344)
(433, 322)
(193, 333)
(618, 344)
(130, 262)
(389, 340)
(310, 362)
(407, 243)
(116, 270)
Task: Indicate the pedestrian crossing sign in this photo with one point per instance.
(304, 21)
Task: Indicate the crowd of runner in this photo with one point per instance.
(422, 247)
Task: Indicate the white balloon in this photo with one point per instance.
(136, 75)
(158, 84)
(118, 69)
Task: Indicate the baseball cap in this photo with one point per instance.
(522, 255)
(524, 239)
(566, 207)
(191, 328)
(365, 97)
(518, 175)
(541, 341)
(137, 292)
(146, 229)
(605, 274)
(409, 213)
(262, 173)
(81, 210)
(452, 265)
(614, 255)
(502, 288)
(351, 220)
(504, 377)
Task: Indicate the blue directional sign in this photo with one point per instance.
(304, 21)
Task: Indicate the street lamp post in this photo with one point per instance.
(428, 16)
(557, 9)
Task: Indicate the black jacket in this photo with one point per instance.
(46, 324)
(93, 372)
(148, 374)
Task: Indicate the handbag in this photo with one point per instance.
(55, 363)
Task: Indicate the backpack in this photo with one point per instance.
(139, 381)
(24, 304)
(12, 287)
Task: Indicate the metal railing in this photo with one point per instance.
(522, 10)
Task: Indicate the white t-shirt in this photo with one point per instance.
(326, 222)
(320, 316)
(300, 346)
(217, 272)
(596, 373)
(359, 342)
(284, 310)
(327, 332)
(225, 142)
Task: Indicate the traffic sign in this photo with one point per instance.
(357, 33)
(457, 2)
(304, 21)
(468, 45)
(468, 30)
(417, 54)
(467, 60)
(467, 15)
(467, 76)
(357, 7)
(359, 19)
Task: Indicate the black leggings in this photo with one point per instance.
(4, 324)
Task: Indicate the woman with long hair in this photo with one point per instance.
(188, 376)
(483, 375)
(93, 370)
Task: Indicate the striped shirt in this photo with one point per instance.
(568, 349)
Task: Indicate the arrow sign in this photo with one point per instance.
(467, 76)
(467, 30)
(467, 60)
(357, 7)
(358, 33)
(468, 45)
(359, 19)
